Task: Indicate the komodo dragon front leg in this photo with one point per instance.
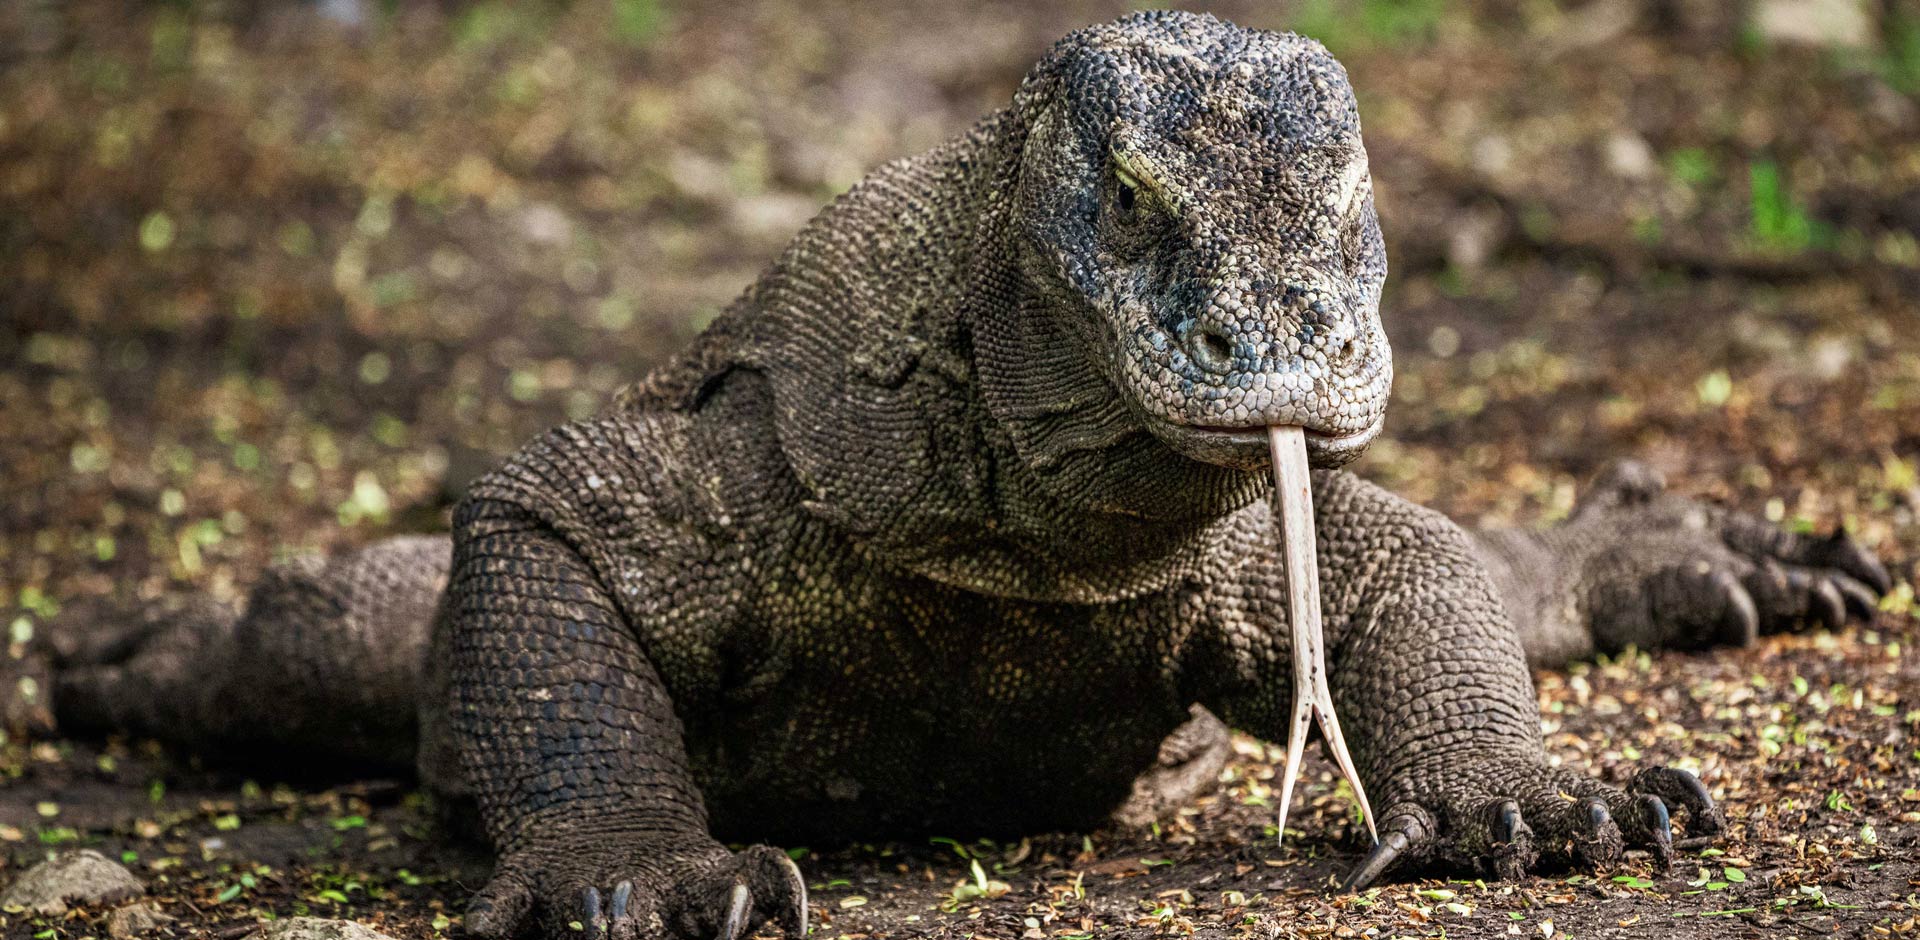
(1431, 682)
(571, 744)
(1430, 630)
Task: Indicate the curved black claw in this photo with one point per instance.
(1842, 552)
(592, 917)
(1399, 834)
(1659, 826)
(1829, 608)
(1506, 821)
(1861, 602)
(1678, 789)
(1602, 842)
(1513, 851)
(1376, 862)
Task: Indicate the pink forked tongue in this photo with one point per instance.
(1293, 510)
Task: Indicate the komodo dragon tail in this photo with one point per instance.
(319, 671)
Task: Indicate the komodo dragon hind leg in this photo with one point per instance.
(1188, 767)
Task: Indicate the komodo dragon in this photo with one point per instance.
(951, 519)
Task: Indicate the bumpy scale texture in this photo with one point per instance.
(952, 521)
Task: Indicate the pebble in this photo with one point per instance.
(135, 920)
(316, 928)
(82, 878)
(1829, 23)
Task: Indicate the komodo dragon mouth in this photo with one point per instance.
(1247, 447)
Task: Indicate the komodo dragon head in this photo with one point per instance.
(1043, 359)
(1195, 196)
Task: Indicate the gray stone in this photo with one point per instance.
(1841, 23)
(81, 878)
(316, 928)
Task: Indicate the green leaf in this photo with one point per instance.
(954, 844)
(1715, 388)
(156, 232)
(1734, 875)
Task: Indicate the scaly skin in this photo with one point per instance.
(954, 516)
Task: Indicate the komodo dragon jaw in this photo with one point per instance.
(1293, 512)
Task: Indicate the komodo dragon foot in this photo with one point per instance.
(603, 885)
(1636, 566)
(1511, 814)
(1656, 570)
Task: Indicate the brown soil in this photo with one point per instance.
(268, 284)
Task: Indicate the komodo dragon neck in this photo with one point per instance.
(932, 397)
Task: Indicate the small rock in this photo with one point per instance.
(1830, 357)
(1628, 155)
(1474, 237)
(316, 928)
(83, 878)
(135, 920)
(544, 223)
(1491, 155)
(1831, 23)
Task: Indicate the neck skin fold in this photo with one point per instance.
(950, 411)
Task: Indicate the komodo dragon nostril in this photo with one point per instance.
(1344, 345)
(1211, 349)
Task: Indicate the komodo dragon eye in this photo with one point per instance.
(1129, 209)
(1126, 197)
(1129, 193)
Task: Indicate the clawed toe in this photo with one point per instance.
(739, 901)
(1405, 833)
(612, 915)
(1513, 849)
(757, 885)
(622, 901)
(1659, 829)
(1678, 789)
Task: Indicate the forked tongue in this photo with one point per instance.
(1293, 509)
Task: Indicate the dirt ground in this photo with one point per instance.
(269, 283)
